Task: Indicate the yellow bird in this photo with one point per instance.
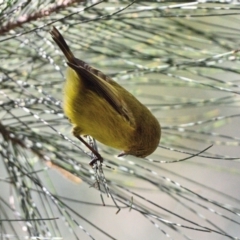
(98, 106)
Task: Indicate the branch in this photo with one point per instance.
(37, 15)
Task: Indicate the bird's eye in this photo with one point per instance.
(140, 153)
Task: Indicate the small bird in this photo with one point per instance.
(99, 107)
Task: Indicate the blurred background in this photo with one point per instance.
(178, 58)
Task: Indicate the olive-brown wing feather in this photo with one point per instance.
(105, 90)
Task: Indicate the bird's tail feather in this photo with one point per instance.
(58, 38)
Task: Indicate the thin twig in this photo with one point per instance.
(37, 15)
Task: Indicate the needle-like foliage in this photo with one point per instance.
(178, 58)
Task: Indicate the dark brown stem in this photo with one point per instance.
(61, 4)
(7, 137)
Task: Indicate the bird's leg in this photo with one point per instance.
(98, 157)
(99, 174)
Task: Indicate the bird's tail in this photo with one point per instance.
(58, 38)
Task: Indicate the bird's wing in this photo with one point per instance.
(104, 89)
(91, 69)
